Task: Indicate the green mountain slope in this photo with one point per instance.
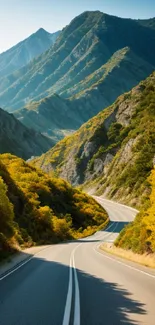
(25, 51)
(53, 115)
(17, 139)
(112, 154)
(83, 47)
(35, 209)
(57, 116)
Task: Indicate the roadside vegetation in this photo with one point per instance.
(113, 154)
(37, 209)
(139, 236)
(143, 259)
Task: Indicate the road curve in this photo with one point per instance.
(77, 284)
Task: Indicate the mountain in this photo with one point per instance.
(17, 139)
(53, 116)
(96, 56)
(59, 116)
(150, 23)
(111, 154)
(25, 51)
(36, 209)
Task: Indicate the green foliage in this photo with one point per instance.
(6, 220)
(140, 235)
(125, 131)
(6, 211)
(35, 208)
(142, 127)
(114, 131)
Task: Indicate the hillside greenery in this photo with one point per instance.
(132, 175)
(58, 116)
(37, 209)
(113, 152)
(90, 64)
(139, 236)
(89, 42)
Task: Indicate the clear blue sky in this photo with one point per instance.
(20, 18)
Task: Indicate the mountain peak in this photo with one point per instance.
(25, 51)
(42, 31)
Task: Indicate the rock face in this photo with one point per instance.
(15, 138)
(22, 53)
(114, 151)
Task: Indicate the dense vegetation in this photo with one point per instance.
(139, 144)
(113, 152)
(20, 140)
(140, 235)
(37, 209)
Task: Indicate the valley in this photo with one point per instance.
(83, 72)
(77, 171)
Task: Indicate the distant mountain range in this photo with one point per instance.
(17, 139)
(113, 153)
(54, 116)
(96, 58)
(58, 116)
(25, 51)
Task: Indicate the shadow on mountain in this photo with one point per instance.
(36, 295)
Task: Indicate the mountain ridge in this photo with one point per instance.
(17, 139)
(53, 115)
(86, 44)
(100, 153)
(22, 53)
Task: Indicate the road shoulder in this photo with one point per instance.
(17, 259)
(146, 260)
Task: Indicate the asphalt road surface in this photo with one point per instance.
(78, 284)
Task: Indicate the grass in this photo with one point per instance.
(144, 259)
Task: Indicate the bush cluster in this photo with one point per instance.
(37, 209)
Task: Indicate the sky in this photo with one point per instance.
(21, 18)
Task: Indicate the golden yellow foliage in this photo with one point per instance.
(149, 217)
(45, 209)
(140, 235)
(6, 211)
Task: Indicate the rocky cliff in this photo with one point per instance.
(111, 154)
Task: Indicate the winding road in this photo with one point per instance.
(76, 283)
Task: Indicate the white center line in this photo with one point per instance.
(67, 312)
(77, 297)
(69, 297)
(103, 236)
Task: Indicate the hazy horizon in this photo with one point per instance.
(18, 21)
